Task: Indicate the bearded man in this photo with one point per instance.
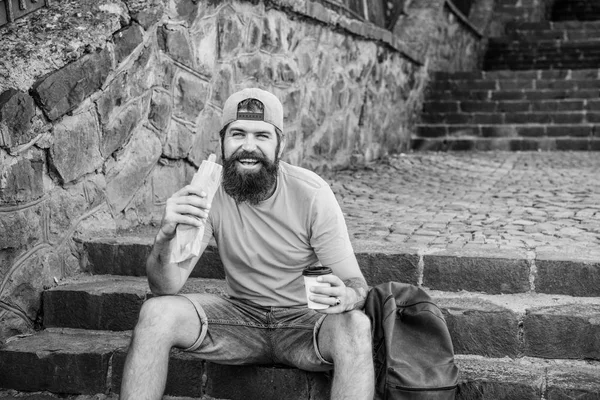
(270, 221)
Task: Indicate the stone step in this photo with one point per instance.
(555, 119)
(434, 107)
(19, 395)
(550, 30)
(528, 324)
(525, 84)
(73, 362)
(480, 127)
(506, 53)
(518, 62)
(489, 270)
(524, 94)
(583, 10)
(536, 74)
(476, 143)
(543, 46)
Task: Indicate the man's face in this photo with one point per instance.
(250, 160)
(256, 137)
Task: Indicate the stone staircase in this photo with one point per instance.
(539, 90)
(511, 342)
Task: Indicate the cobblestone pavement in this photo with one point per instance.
(488, 201)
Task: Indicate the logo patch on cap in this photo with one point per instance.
(254, 116)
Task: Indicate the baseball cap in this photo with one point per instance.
(273, 110)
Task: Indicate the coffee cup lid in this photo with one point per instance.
(316, 271)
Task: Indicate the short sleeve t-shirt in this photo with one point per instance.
(265, 247)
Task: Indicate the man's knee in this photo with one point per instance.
(356, 325)
(160, 313)
(347, 334)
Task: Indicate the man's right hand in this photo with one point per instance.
(187, 206)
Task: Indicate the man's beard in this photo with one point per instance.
(249, 186)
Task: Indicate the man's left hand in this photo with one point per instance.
(341, 298)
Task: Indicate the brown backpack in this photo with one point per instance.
(412, 348)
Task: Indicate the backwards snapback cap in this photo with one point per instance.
(273, 110)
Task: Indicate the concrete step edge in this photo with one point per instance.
(99, 302)
(541, 375)
(455, 269)
(519, 303)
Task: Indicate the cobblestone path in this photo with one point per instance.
(487, 201)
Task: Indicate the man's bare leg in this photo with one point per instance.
(164, 322)
(345, 339)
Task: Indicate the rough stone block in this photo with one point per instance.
(569, 331)
(575, 277)
(24, 280)
(492, 379)
(145, 13)
(190, 95)
(59, 361)
(185, 11)
(160, 109)
(173, 40)
(65, 207)
(76, 148)
(481, 327)
(223, 86)
(128, 85)
(229, 32)
(117, 256)
(121, 125)
(17, 110)
(179, 141)
(267, 383)
(167, 178)
(379, 267)
(574, 381)
(92, 306)
(205, 43)
(21, 181)
(126, 40)
(63, 90)
(479, 271)
(128, 255)
(125, 176)
(207, 139)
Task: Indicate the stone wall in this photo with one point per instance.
(439, 34)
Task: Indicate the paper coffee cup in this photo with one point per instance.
(310, 280)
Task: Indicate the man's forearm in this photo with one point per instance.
(163, 277)
(360, 287)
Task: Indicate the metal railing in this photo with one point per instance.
(11, 10)
(383, 13)
(464, 6)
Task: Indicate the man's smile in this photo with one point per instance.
(249, 163)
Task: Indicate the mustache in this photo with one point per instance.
(249, 154)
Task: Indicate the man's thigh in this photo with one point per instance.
(294, 339)
(235, 332)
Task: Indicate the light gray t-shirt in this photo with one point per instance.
(264, 248)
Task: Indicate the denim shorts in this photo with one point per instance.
(237, 332)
